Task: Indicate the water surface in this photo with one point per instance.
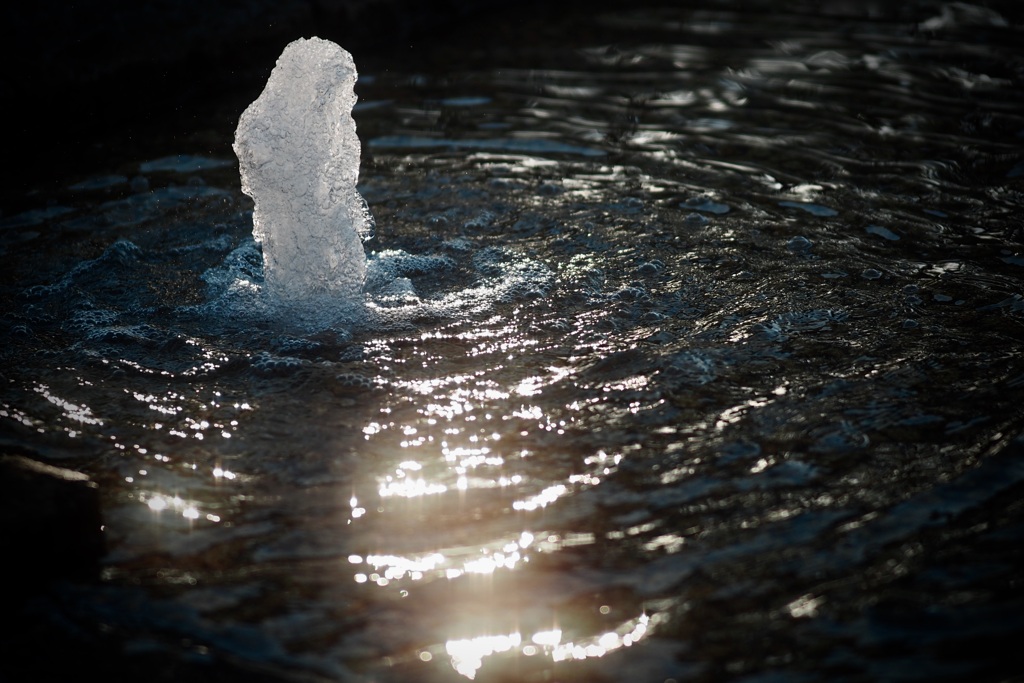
(706, 367)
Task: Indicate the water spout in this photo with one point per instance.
(298, 156)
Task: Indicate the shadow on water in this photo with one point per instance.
(705, 365)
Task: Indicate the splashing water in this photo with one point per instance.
(298, 157)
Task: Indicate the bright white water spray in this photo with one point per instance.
(298, 156)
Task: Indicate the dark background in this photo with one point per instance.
(85, 83)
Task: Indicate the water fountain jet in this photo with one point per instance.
(298, 156)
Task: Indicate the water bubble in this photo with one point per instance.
(650, 268)
(706, 205)
(884, 233)
(813, 209)
(799, 244)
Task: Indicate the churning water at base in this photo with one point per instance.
(693, 354)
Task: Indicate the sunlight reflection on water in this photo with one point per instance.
(468, 654)
(452, 442)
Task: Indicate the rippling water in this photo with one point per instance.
(707, 367)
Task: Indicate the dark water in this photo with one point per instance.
(715, 373)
